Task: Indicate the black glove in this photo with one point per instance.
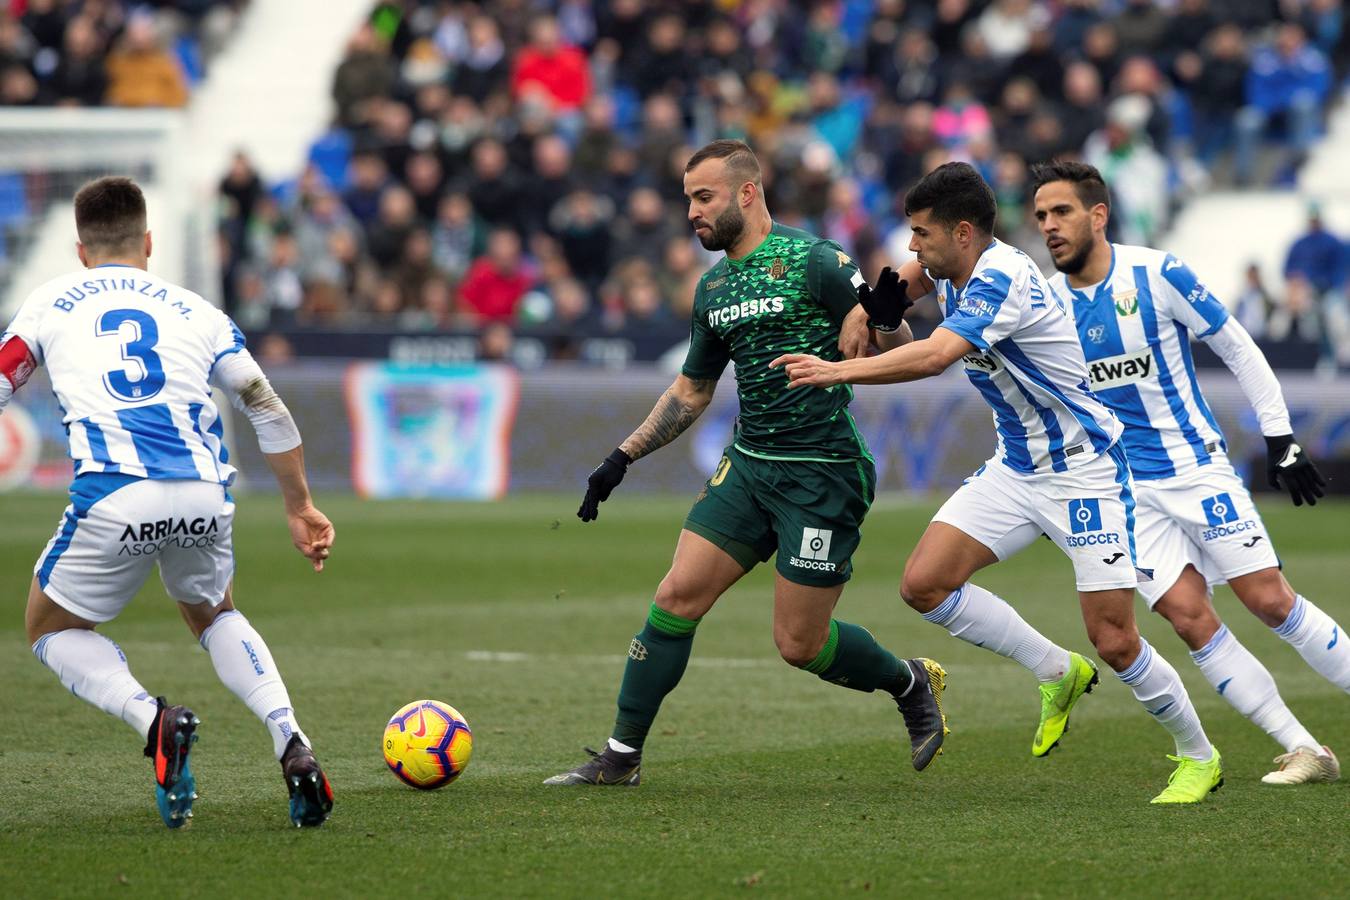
(603, 480)
(886, 303)
(1286, 460)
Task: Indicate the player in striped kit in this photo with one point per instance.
(131, 357)
(1058, 469)
(1136, 310)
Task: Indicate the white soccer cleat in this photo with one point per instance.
(1305, 766)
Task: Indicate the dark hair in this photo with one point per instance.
(1087, 182)
(955, 193)
(742, 164)
(110, 214)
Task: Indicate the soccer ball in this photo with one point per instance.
(427, 744)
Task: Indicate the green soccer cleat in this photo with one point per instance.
(1057, 701)
(1192, 780)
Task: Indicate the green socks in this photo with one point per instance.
(852, 658)
(656, 661)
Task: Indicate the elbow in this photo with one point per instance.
(934, 364)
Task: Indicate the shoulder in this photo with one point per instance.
(1130, 255)
(795, 235)
(711, 280)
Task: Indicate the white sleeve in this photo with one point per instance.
(1248, 364)
(239, 375)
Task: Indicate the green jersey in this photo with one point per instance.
(789, 295)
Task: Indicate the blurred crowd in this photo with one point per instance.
(1310, 301)
(518, 163)
(146, 53)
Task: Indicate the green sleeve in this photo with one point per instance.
(833, 279)
(708, 354)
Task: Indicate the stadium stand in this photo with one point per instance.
(518, 163)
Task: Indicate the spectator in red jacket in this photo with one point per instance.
(546, 65)
(496, 281)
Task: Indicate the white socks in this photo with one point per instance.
(1248, 686)
(978, 617)
(245, 666)
(1156, 684)
(95, 670)
(1322, 643)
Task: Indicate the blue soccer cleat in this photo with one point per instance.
(169, 743)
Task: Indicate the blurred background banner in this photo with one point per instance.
(479, 431)
(429, 432)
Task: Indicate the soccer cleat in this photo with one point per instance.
(608, 767)
(1057, 701)
(1192, 780)
(172, 734)
(1305, 766)
(311, 794)
(921, 707)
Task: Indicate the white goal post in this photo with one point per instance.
(46, 154)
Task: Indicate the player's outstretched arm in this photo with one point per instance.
(915, 360)
(682, 403)
(279, 440)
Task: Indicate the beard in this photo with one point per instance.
(726, 230)
(1075, 263)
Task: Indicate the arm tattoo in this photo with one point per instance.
(667, 421)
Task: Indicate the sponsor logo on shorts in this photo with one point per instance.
(815, 545)
(1222, 517)
(1252, 543)
(1085, 515)
(1219, 509)
(813, 564)
(143, 538)
(1085, 525)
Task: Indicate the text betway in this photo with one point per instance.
(1116, 371)
(745, 309)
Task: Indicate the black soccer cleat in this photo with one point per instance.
(608, 767)
(921, 707)
(311, 794)
(170, 740)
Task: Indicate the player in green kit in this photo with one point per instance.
(796, 480)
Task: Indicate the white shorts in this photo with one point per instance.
(1203, 518)
(117, 527)
(1088, 512)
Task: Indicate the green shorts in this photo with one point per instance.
(810, 513)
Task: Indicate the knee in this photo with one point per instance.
(682, 597)
(799, 650)
(1194, 624)
(1268, 596)
(1117, 646)
(922, 590)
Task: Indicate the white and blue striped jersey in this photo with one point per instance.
(1028, 366)
(1135, 330)
(130, 357)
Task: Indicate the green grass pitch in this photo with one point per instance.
(758, 780)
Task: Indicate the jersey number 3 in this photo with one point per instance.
(139, 351)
